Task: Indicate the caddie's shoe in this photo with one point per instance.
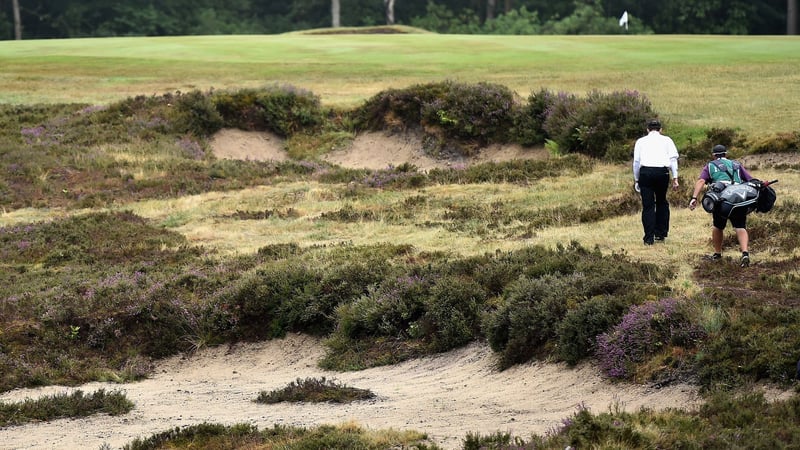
(745, 261)
(714, 257)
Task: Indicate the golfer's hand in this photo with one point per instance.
(675, 184)
(636, 187)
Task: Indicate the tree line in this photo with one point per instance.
(44, 19)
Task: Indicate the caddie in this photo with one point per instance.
(721, 169)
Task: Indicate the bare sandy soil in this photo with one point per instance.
(446, 396)
(374, 150)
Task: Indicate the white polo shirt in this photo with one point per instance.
(655, 150)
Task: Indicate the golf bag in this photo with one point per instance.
(724, 197)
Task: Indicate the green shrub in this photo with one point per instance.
(283, 110)
(345, 280)
(594, 124)
(577, 333)
(315, 390)
(514, 22)
(701, 149)
(530, 118)
(195, 114)
(456, 117)
(257, 306)
(785, 142)
(480, 112)
(452, 312)
(525, 324)
(216, 436)
(758, 343)
(396, 110)
(57, 406)
(390, 309)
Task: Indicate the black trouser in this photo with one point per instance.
(654, 182)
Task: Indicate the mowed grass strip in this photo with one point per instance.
(747, 82)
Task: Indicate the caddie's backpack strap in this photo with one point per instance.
(722, 167)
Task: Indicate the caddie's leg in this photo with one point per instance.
(720, 222)
(716, 239)
(739, 223)
(743, 237)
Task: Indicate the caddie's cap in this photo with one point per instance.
(654, 124)
(719, 149)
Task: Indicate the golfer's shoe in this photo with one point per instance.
(714, 257)
(745, 262)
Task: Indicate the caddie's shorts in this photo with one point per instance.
(738, 219)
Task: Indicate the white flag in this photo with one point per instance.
(624, 20)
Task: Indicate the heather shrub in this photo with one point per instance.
(146, 118)
(52, 407)
(315, 390)
(255, 305)
(455, 117)
(343, 280)
(480, 112)
(616, 117)
(759, 343)
(195, 114)
(525, 324)
(521, 171)
(15, 119)
(388, 309)
(396, 110)
(281, 109)
(128, 237)
(594, 124)
(495, 272)
(408, 176)
(529, 121)
(499, 440)
(280, 251)
(646, 329)
(786, 142)
(404, 176)
(615, 274)
(452, 312)
(700, 150)
(749, 420)
(577, 333)
(584, 430)
(208, 435)
(560, 122)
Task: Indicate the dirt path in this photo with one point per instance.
(446, 396)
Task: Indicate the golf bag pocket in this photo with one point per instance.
(737, 197)
(766, 199)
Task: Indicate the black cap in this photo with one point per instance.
(719, 149)
(654, 124)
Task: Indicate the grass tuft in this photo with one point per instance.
(315, 390)
(65, 405)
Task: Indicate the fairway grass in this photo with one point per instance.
(746, 82)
